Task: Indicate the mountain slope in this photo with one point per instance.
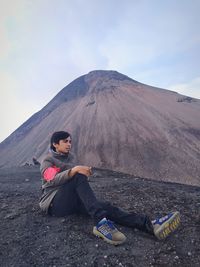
(117, 123)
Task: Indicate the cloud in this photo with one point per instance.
(11, 13)
(5, 44)
(143, 35)
(13, 109)
(191, 88)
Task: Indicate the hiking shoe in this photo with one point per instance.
(164, 226)
(108, 232)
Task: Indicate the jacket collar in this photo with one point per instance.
(56, 154)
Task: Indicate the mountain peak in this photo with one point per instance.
(94, 79)
(107, 74)
(106, 80)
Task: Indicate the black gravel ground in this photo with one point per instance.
(29, 238)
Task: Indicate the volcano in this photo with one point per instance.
(116, 123)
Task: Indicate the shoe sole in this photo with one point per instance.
(168, 227)
(112, 242)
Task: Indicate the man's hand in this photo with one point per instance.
(81, 169)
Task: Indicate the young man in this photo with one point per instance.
(66, 191)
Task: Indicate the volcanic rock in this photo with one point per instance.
(30, 238)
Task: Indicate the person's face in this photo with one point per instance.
(64, 145)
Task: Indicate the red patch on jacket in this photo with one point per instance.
(50, 173)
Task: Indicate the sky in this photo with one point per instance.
(46, 44)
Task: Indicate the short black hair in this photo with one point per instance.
(57, 136)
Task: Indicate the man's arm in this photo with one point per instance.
(55, 177)
(80, 169)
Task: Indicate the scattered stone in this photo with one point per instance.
(11, 216)
(50, 241)
(4, 206)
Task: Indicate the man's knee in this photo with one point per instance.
(80, 176)
(105, 204)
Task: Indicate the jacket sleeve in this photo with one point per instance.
(52, 175)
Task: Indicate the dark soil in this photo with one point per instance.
(29, 238)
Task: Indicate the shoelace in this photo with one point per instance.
(107, 227)
(162, 219)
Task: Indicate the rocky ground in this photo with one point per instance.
(29, 238)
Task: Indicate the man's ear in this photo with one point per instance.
(55, 145)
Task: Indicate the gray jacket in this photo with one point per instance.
(49, 188)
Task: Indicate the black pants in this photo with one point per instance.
(76, 196)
